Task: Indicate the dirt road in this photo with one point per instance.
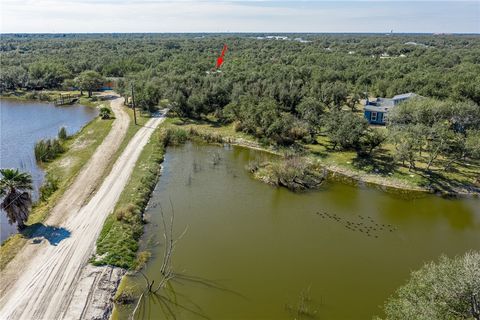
(81, 189)
(42, 280)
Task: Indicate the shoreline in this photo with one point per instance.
(49, 96)
(102, 289)
(82, 243)
(73, 143)
(100, 282)
(66, 167)
(334, 172)
(345, 175)
(333, 175)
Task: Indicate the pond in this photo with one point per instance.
(22, 123)
(252, 251)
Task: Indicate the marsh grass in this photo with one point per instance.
(62, 134)
(295, 173)
(86, 142)
(117, 244)
(48, 149)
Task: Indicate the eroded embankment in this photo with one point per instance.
(64, 171)
(339, 173)
(51, 273)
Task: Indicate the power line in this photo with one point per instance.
(133, 106)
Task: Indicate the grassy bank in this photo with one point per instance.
(63, 170)
(379, 171)
(118, 241)
(49, 96)
(40, 95)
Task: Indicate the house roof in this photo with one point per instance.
(383, 104)
(404, 96)
(376, 109)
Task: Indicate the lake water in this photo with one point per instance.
(252, 251)
(22, 123)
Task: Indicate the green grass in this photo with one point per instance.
(379, 170)
(64, 169)
(132, 129)
(383, 170)
(118, 241)
(43, 95)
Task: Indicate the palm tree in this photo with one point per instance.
(14, 186)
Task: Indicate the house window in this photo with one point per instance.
(373, 116)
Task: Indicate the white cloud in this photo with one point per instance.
(235, 16)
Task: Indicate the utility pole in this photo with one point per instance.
(133, 106)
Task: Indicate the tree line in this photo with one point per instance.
(283, 92)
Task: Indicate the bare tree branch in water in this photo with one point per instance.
(163, 292)
(303, 309)
(166, 269)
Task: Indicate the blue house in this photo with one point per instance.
(376, 111)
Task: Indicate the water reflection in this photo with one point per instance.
(22, 123)
(291, 254)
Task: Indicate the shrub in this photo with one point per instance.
(173, 137)
(293, 172)
(345, 129)
(105, 113)
(126, 213)
(48, 149)
(62, 134)
(142, 259)
(371, 140)
(442, 290)
(48, 188)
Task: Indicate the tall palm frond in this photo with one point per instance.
(16, 202)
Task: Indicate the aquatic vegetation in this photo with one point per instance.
(48, 187)
(48, 149)
(293, 172)
(173, 136)
(117, 244)
(62, 133)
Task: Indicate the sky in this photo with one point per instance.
(89, 16)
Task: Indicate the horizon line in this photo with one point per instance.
(245, 32)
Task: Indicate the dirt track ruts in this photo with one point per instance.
(41, 280)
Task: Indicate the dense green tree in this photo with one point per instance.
(345, 129)
(89, 81)
(12, 77)
(371, 140)
(437, 128)
(446, 290)
(46, 75)
(306, 82)
(311, 111)
(472, 145)
(407, 144)
(353, 100)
